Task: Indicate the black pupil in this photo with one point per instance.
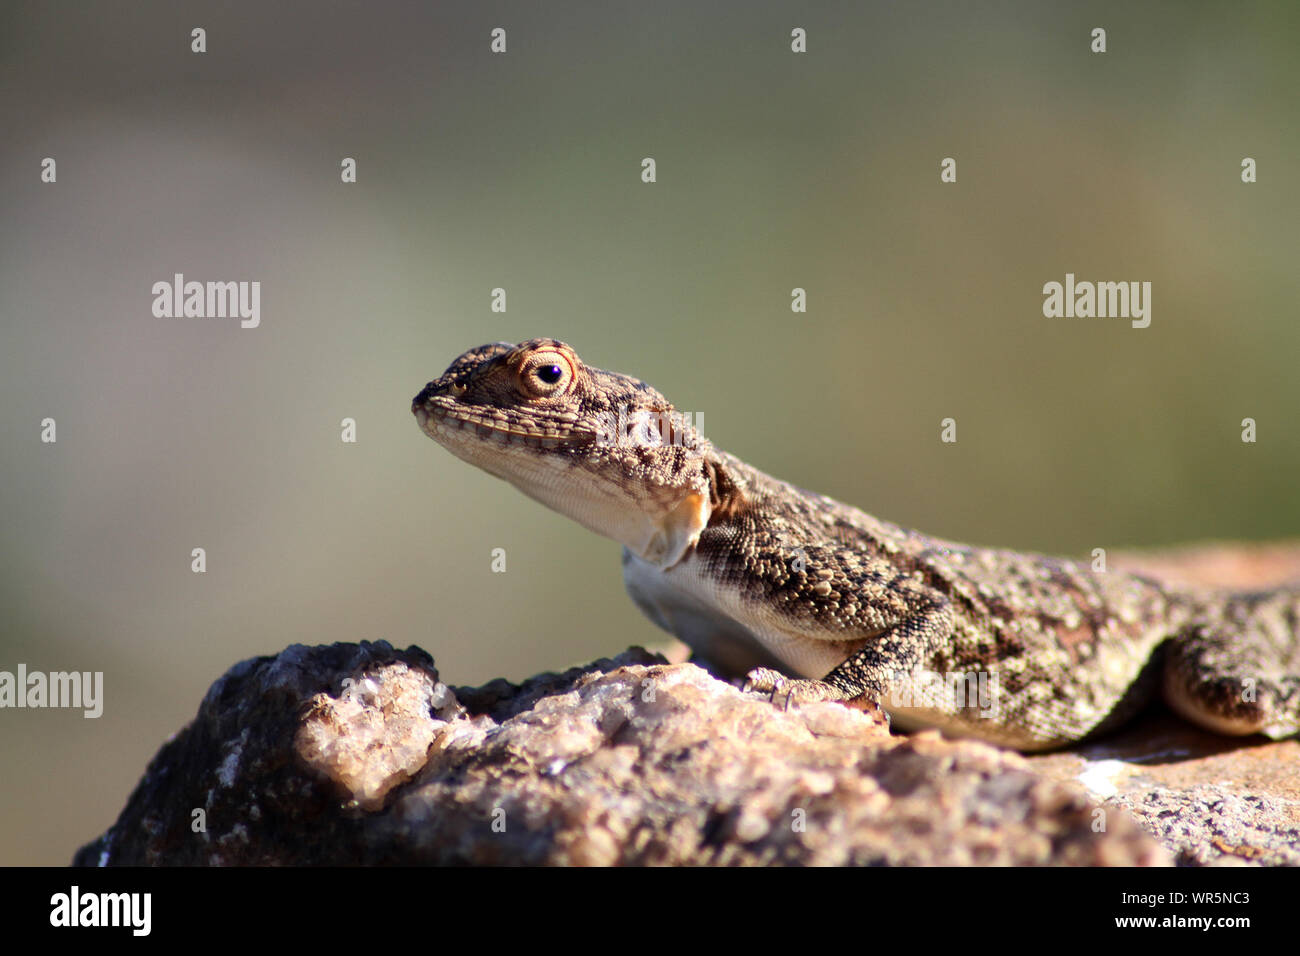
(550, 374)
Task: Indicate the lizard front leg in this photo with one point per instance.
(868, 673)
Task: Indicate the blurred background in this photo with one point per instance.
(775, 170)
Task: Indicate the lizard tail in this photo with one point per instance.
(1238, 671)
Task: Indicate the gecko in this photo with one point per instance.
(812, 599)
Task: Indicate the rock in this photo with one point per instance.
(1237, 565)
(1209, 799)
(360, 754)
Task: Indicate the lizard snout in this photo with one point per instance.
(418, 403)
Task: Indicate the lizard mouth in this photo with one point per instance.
(445, 420)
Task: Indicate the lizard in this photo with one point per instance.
(814, 600)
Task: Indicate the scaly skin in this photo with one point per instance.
(755, 574)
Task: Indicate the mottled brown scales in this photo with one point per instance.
(818, 600)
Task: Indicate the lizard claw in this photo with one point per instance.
(782, 691)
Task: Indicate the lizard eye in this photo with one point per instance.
(547, 374)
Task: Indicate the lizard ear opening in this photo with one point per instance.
(726, 498)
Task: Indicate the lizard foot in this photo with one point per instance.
(783, 691)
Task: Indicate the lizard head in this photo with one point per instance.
(606, 450)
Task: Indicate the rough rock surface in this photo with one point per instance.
(359, 754)
(1209, 799)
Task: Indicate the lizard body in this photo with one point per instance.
(757, 575)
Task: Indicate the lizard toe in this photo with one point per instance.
(763, 680)
(788, 692)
